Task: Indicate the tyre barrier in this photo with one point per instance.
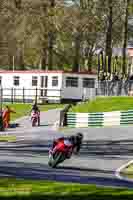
(100, 119)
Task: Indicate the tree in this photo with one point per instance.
(109, 35)
(59, 34)
(51, 35)
(125, 36)
(92, 32)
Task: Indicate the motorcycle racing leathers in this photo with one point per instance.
(76, 142)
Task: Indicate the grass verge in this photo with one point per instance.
(12, 189)
(7, 138)
(127, 172)
(24, 109)
(104, 104)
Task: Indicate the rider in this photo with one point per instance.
(75, 140)
(36, 110)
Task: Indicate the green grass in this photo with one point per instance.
(128, 172)
(105, 104)
(7, 138)
(43, 190)
(24, 109)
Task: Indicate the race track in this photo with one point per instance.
(104, 150)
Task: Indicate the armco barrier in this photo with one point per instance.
(100, 119)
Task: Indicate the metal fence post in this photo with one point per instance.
(14, 100)
(36, 95)
(1, 118)
(23, 95)
(12, 95)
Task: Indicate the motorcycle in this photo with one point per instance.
(34, 118)
(62, 151)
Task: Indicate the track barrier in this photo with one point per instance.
(99, 119)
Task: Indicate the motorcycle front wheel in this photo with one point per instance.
(33, 122)
(58, 158)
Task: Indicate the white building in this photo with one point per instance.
(53, 86)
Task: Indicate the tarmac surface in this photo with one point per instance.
(104, 150)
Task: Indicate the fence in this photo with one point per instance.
(99, 119)
(29, 95)
(100, 88)
(114, 88)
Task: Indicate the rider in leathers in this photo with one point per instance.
(75, 140)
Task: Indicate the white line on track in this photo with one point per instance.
(118, 172)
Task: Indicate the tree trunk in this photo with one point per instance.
(90, 59)
(77, 54)
(21, 61)
(51, 37)
(125, 38)
(109, 37)
(77, 40)
(50, 50)
(18, 4)
(10, 61)
(44, 58)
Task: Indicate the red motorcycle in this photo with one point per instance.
(62, 151)
(34, 118)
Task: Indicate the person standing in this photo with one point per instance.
(6, 115)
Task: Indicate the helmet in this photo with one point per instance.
(79, 136)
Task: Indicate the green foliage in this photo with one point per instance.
(27, 29)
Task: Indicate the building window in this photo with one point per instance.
(88, 83)
(55, 81)
(16, 80)
(71, 82)
(34, 80)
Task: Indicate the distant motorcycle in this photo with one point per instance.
(62, 151)
(34, 118)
